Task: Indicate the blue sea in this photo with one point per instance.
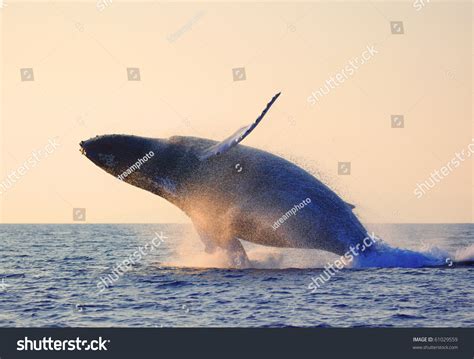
(50, 275)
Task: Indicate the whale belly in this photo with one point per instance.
(285, 206)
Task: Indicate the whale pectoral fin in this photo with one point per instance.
(210, 245)
(236, 255)
(234, 250)
(237, 137)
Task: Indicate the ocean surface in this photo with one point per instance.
(50, 275)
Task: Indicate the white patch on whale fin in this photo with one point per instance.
(237, 137)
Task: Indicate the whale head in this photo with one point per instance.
(155, 165)
(171, 168)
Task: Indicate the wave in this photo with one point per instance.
(465, 254)
(189, 254)
(385, 256)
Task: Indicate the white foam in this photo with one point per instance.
(190, 253)
(465, 254)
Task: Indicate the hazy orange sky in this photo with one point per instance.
(186, 52)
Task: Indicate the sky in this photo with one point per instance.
(375, 132)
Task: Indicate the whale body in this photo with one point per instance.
(233, 192)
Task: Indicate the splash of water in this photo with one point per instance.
(385, 256)
(189, 253)
(260, 258)
(465, 254)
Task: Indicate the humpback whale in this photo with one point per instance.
(232, 192)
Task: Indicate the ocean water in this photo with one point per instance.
(49, 276)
